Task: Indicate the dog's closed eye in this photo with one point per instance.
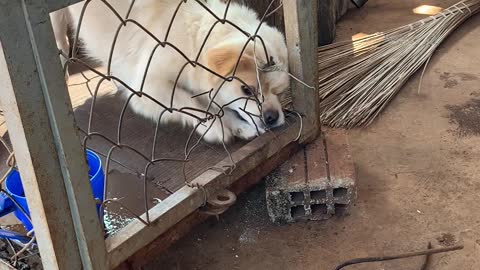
(248, 90)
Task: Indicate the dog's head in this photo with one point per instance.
(253, 93)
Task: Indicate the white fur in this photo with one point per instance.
(190, 27)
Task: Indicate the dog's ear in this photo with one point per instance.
(224, 58)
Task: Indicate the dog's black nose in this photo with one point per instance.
(270, 117)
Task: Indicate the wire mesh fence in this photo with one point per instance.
(17, 246)
(141, 151)
(208, 114)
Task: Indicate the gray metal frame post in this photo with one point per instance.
(301, 30)
(47, 147)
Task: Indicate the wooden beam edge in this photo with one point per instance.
(181, 229)
(185, 201)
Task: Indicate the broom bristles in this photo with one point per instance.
(358, 79)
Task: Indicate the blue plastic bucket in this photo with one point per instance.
(13, 186)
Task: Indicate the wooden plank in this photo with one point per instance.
(301, 33)
(341, 171)
(139, 133)
(329, 12)
(185, 201)
(316, 160)
(341, 164)
(261, 6)
(50, 158)
(142, 257)
(342, 7)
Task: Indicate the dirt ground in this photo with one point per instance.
(418, 176)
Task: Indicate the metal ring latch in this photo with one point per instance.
(220, 202)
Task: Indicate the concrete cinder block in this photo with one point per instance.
(315, 183)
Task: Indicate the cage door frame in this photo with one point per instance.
(50, 158)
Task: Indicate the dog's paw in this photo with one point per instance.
(245, 131)
(228, 128)
(214, 131)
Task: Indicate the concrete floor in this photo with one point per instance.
(418, 171)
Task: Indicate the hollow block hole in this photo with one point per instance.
(340, 192)
(318, 195)
(340, 209)
(319, 209)
(297, 211)
(297, 197)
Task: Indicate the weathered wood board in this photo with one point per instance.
(329, 12)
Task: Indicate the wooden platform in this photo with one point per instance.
(127, 167)
(341, 167)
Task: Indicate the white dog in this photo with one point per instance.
(236, 101)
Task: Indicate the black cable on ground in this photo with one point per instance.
(397, 257)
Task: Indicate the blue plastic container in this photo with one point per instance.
(13, 186)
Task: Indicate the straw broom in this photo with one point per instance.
(358, 79)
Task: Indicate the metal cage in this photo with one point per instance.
(46, 142)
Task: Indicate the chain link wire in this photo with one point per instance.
(214, 111)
